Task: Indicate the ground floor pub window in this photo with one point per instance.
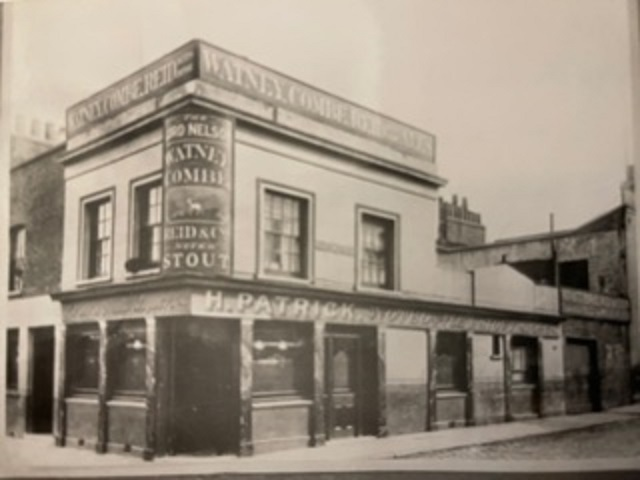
(128, 357)
(451, 367)
(282, 359)
(524, 360)
(83, 364)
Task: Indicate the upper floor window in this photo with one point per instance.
(377, 251)
(147, 240)
(286, 242)
(575, 274)
(18, 244)
(97, 237)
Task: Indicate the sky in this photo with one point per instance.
(529, 100)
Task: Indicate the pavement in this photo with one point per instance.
(35, 456)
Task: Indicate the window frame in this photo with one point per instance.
(119, 332)
(134, 220)
(528, 348)
(82, 329)
(460, 358)
(392, 257)
(308, 199)
(14, 236)
(107, 195)
(304, 373)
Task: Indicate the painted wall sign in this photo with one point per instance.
(197, 177)
(230, 71)
(160, 75)
(285, 307)
(197, 60)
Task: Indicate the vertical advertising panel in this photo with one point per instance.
(197, 177)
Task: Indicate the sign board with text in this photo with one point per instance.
(197, 177)
(203, 62)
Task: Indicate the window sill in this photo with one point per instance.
(275, 402)
(392, 291)
(450, 393)
(15, 293)
(82, 400)
(143, 273)
(89, 282)
(130, 402)
(495, 357)
(13, 392)
(283, 278)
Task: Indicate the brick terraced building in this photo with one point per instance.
(250, 263)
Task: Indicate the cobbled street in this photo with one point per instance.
(615, 440)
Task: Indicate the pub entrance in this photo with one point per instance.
(582, 381)
(350, 382)
(40, 402)
(204, 392)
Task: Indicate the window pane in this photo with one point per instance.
(17, 259)
(82, 358)
(98, 237)
(376, 266)
(281, 359)
(127, 357)
(148, 220)
(451, 354)
(285, 244)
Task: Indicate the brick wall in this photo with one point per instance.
(37, 196)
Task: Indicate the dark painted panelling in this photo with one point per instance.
(450, 410)
(15, 410)
(553, 398)
(126, 425)
(281, 422)
(613, 357)
(406, 408)
(523, 400)
(489, 401)
(82, 420)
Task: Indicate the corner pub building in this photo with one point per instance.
(249, 264)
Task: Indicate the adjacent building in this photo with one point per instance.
(35, 238)
(249, 263)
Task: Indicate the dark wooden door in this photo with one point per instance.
(40, 418)
(581, 377)
(204, 397)
(343, 385)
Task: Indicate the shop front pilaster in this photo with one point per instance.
(101, 445)
(319, 426)
(151, 388)
(246, 387)
(60, 393)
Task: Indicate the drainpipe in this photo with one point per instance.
(472, 274)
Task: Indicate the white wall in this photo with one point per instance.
(338, 188)
(115, 168)
(406, 356)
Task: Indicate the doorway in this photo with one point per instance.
(350, 384)
(582, 380)
(204, 390)
(40, 404)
